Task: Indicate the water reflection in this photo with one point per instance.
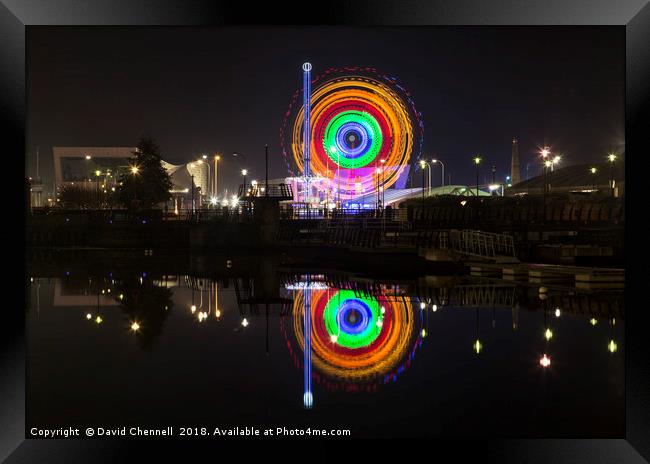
(352, 338)
(343, 334)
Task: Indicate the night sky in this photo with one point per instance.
(226, 89)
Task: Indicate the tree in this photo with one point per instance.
(148, 184)
(146, 304)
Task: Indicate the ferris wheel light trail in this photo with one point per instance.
(350, 119)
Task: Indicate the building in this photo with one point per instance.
(36, 192)
(88, 166)
(85, 166)
(578, 178)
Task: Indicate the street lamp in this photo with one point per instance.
(555, 161)
(134, 171)
(216, 177)
(422, 166)
(593, 171)
(547, 164)
(442, 178)
(611, 157)
(243, 173)
(477, 162)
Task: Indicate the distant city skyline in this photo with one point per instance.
(198, 90)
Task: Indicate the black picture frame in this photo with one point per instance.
(633, 15)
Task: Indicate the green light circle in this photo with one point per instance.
(368, 122)
(352, 341)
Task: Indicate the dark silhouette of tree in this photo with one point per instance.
(150, 185)
(146, 304)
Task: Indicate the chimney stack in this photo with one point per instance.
(514, 163)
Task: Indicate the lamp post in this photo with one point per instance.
(243, 173)
(422, 165)
(192, 205)
(429, 178)
(442, 165)
(547, 164)
(593, 171)
(477, 162)
(266, 159)
(98, 173)
(611, 157)
(544, 153)
(134, 171)
(494, 179)
(555, 161)
(216, 176)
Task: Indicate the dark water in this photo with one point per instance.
(210, 352)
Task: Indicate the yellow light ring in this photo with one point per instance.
(378, 362)
(380, 97)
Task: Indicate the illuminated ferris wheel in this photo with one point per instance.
(361, 133)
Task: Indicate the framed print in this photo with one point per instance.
(396, 220)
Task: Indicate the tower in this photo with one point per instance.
(514, 163)
(306, 101)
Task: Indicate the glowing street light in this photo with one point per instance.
(612, 346)
(545, 360)
(442, 165)
(593, 171)
(477, 162)
(135, 326)
(477, 346)
(244, 322)
(548, 334)
(216, 177)
(423, 164)
(611, 157)
(243, 173)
